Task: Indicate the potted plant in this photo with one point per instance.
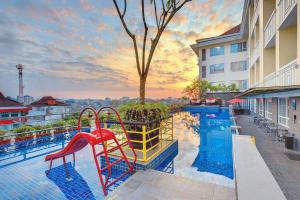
(149, 115)
(43, 131)
(59, 126)
(25, 132)
(4, 140)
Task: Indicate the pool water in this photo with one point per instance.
(205, 145)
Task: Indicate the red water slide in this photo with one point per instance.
(97, 137)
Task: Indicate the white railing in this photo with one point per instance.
(285, 7)
(285, 76)
(288, 74)
(270, 80)
(270, 28)
(255, 54)
(254, 17)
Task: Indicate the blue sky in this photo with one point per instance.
(78, 49)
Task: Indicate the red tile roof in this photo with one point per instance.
(233, 30)
(6, 102)
(47, 101)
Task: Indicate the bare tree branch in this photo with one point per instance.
(129, 33)
(168, 11)
(159, 33)
(145, 35)
(156, 18)
(125, 6)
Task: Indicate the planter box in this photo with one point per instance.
(139, 137)
(29, 137)
(4, 141)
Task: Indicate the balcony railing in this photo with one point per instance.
(255, 54)
(285, 7)
(286, 76)
(255, 17)
(270, 80)
(270, 28)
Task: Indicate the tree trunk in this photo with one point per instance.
(142, 89)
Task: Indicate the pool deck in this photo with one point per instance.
(285, 171)
(151, 184)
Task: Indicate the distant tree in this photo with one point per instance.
(162, 19)
(197, 89)
(232, 88)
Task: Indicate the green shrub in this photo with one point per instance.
(72, 122)
(164, 110)
(2, 132)
(59, 123)
(24, 128)
(85, 121)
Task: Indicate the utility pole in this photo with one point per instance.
(20, 68)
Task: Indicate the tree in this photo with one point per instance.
(197, 89)
(168, 10)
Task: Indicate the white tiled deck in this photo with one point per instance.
(153, 184)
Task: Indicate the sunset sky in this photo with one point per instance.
(78, 49)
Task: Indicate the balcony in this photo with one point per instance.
(255, 54)
(270, 31)
(285, 76)
(287, 13)
(254, 18)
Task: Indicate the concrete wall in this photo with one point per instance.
(287, 45)
(227, 77)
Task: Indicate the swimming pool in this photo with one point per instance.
(204, 138)
(205, 145)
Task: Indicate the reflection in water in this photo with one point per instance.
(73, 187)
(204, 146)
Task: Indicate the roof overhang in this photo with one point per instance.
(14, 109)
(269, 92)
(215, 40)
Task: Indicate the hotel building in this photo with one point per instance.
(223, 59)
(272, 32)
(274, 56)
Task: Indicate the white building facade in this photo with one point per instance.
(223, 59)
(47, 110)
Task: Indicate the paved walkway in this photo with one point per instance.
(154, 185)
(285, 171)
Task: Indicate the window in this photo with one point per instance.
(282, 112)
(216, 68)
(255, 106)
(14, 114)
(268, 107)
(261, 107)
(238, 47)
(203, 54)
(241, 84)
(216, 51)
(239, 66)
(4, 115)
(203, 72)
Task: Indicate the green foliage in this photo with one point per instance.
(164, 109)
(176, 107)
(72, 122)
(197, 88)
(59, 123)
(85, 121)
(24, 128)
(2, 132)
